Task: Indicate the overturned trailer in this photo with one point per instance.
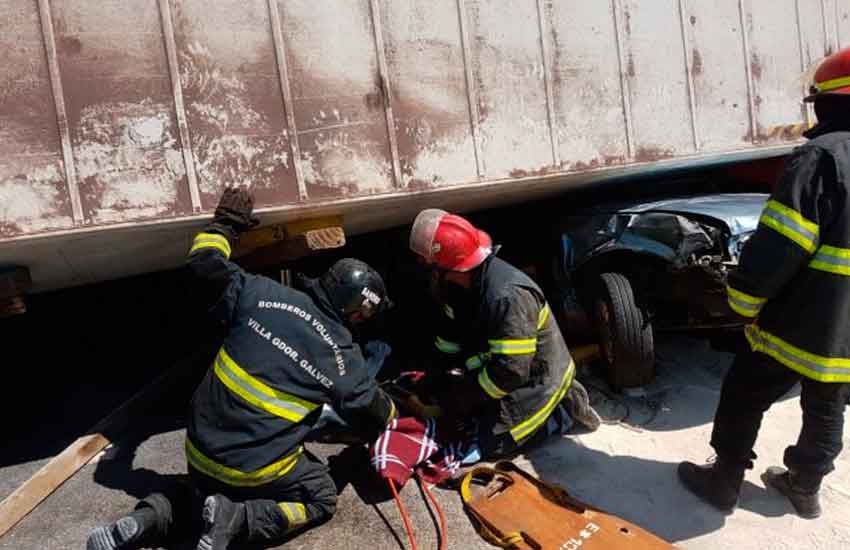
(122, 120)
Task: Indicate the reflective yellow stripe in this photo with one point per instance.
(530, 425)
(445, 346)
(744, 304)
(544, 315)
(393, 410)
(232, 476)
(295, 512)
(791, 224)
(833, 259)
(210, 240)
(488, 386)
(816, 367)
(513, 347)
(834, 84)
(257, 393)
(450, 313)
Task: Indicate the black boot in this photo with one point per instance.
(128, 532)
(719, 484)
(223, 521)
(801, 491)
(578, 405)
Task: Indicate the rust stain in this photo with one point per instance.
(612, 160)
(693, 20)
(376, 99)
(420, 185)
(650, 154)
(544, 171)
(630, 66)
(755, 66)
(783, 132)
(70, 45)
(696, 70)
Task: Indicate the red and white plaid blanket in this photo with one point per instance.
(431, 450)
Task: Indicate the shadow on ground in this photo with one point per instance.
(683, 394)
(645, 492)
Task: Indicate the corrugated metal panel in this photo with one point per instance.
(33, 194)
(430, 99)
(657, 78)
(775, 65)
(507, 69)
(233, 99)
(716, 48)
(338, 97)
(586, 79)
(138, 112)
(120, 110)
(842, 22)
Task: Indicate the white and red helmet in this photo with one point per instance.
(448, 241)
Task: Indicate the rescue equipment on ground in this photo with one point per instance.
(550, 518)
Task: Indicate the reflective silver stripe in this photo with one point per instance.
(513, 347)
(258, 393)
(745, 309)
(295, 513)
(232, 476)
(790, 223)
(832, 259)
(744, 304)
(827, 369)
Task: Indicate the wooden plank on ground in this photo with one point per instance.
(52, 475)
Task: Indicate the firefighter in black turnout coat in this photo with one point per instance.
(498, 331)
(286, 353)
(793, 284)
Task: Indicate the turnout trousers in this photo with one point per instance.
(303, 497)
(752, 385)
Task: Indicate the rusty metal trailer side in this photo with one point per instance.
(122, 120)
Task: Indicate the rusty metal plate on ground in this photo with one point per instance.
(516, 510)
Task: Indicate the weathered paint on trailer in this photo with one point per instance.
(121, 121)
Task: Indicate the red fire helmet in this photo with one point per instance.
(448, 241)
(832, 76)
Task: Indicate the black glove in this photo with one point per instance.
(234, 213)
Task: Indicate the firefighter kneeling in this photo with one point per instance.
(498, 330)
(287, 353)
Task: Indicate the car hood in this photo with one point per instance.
(671, 229)
(740, 212)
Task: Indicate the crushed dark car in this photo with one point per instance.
(636, 268)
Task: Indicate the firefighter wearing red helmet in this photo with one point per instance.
(793, 284)
(499, 332)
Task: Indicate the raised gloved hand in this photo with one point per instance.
(234, 213)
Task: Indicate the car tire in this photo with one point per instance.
(625, 334)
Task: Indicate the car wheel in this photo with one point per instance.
(624, 332)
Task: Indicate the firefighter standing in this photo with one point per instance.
(286, 353)
(498, 328)
(793, 282)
